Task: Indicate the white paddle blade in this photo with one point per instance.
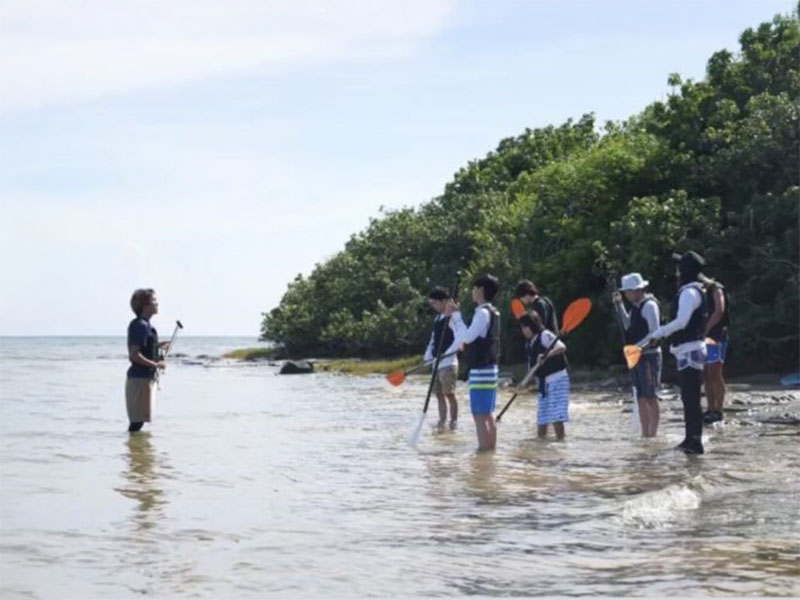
(413, 439)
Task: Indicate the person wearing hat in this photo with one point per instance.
(644, 319)
(686, 334)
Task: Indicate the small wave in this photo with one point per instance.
(660, 508)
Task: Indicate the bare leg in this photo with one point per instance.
(715, 386)
(491, 432)
(480, 429)
(487, 434)
(541, 431)
(451, 398)
(558, 427)
(442, 405)
(644, 416)
(653, 414)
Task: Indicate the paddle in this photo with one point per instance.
(413, 439)
(398, 377)
(574, 315)
(178, 325)
(633, 352)
(517, 308)
(637, 425)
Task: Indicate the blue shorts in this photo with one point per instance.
(716, 352)
(483, 390)
(647, 375)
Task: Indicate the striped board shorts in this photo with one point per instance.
(554, 402)
(483, 390)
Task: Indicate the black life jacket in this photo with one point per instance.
(554, 364)
(695, 330)
(438, 330)
(639, 328)
(547, 313)
(720, 331)
(485, 351)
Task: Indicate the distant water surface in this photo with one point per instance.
(248, 484)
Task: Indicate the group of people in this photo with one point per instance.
(697, 333)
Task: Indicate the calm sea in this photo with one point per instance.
(249, 484)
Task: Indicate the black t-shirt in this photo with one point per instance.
(547, 313)
(144, 335)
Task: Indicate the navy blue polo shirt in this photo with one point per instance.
(144, 335)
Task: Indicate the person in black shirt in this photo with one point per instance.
(528, 293)
(144, 354)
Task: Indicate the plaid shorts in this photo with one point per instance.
(554, 402)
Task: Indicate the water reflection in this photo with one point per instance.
(143, 474)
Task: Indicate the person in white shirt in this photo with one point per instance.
(443, 340)
(482, 341)
(644, 318)
(686, 333)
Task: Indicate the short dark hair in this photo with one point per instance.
(140, 299)
(532, 321)
(439, 293)
(489, 284)
(526, 288)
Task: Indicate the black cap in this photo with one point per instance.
(690, 261)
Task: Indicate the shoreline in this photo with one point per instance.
(582, 377)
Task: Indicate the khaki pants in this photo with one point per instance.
(140, 393)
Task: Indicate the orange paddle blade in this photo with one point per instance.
(632, 355)
(396, 377)
(576, 312)
(517, 308)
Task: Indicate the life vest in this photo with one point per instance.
(554, 364)
(439, 330)
(639, 327)
(485, 351)
(720, 331)
(695, 329)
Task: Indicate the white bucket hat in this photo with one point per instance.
(632, 282)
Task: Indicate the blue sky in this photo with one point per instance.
(213, 149)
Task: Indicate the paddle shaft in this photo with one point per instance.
(428, 363)
(178, 325)
(527, 378)
(445, 325)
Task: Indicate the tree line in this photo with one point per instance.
(713, 168)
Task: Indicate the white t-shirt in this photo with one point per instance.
(478, 328)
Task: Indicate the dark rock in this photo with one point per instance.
(296, 367)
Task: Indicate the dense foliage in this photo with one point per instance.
(714, 168)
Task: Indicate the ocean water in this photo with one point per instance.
(250, 484)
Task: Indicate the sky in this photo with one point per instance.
(214, 149)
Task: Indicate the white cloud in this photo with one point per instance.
(60, 51)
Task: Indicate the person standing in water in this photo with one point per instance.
(716, 330)
(687, 332)
(551, 372)
(482, 339)
(443, 336)
(644, 318)
(144, 355)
